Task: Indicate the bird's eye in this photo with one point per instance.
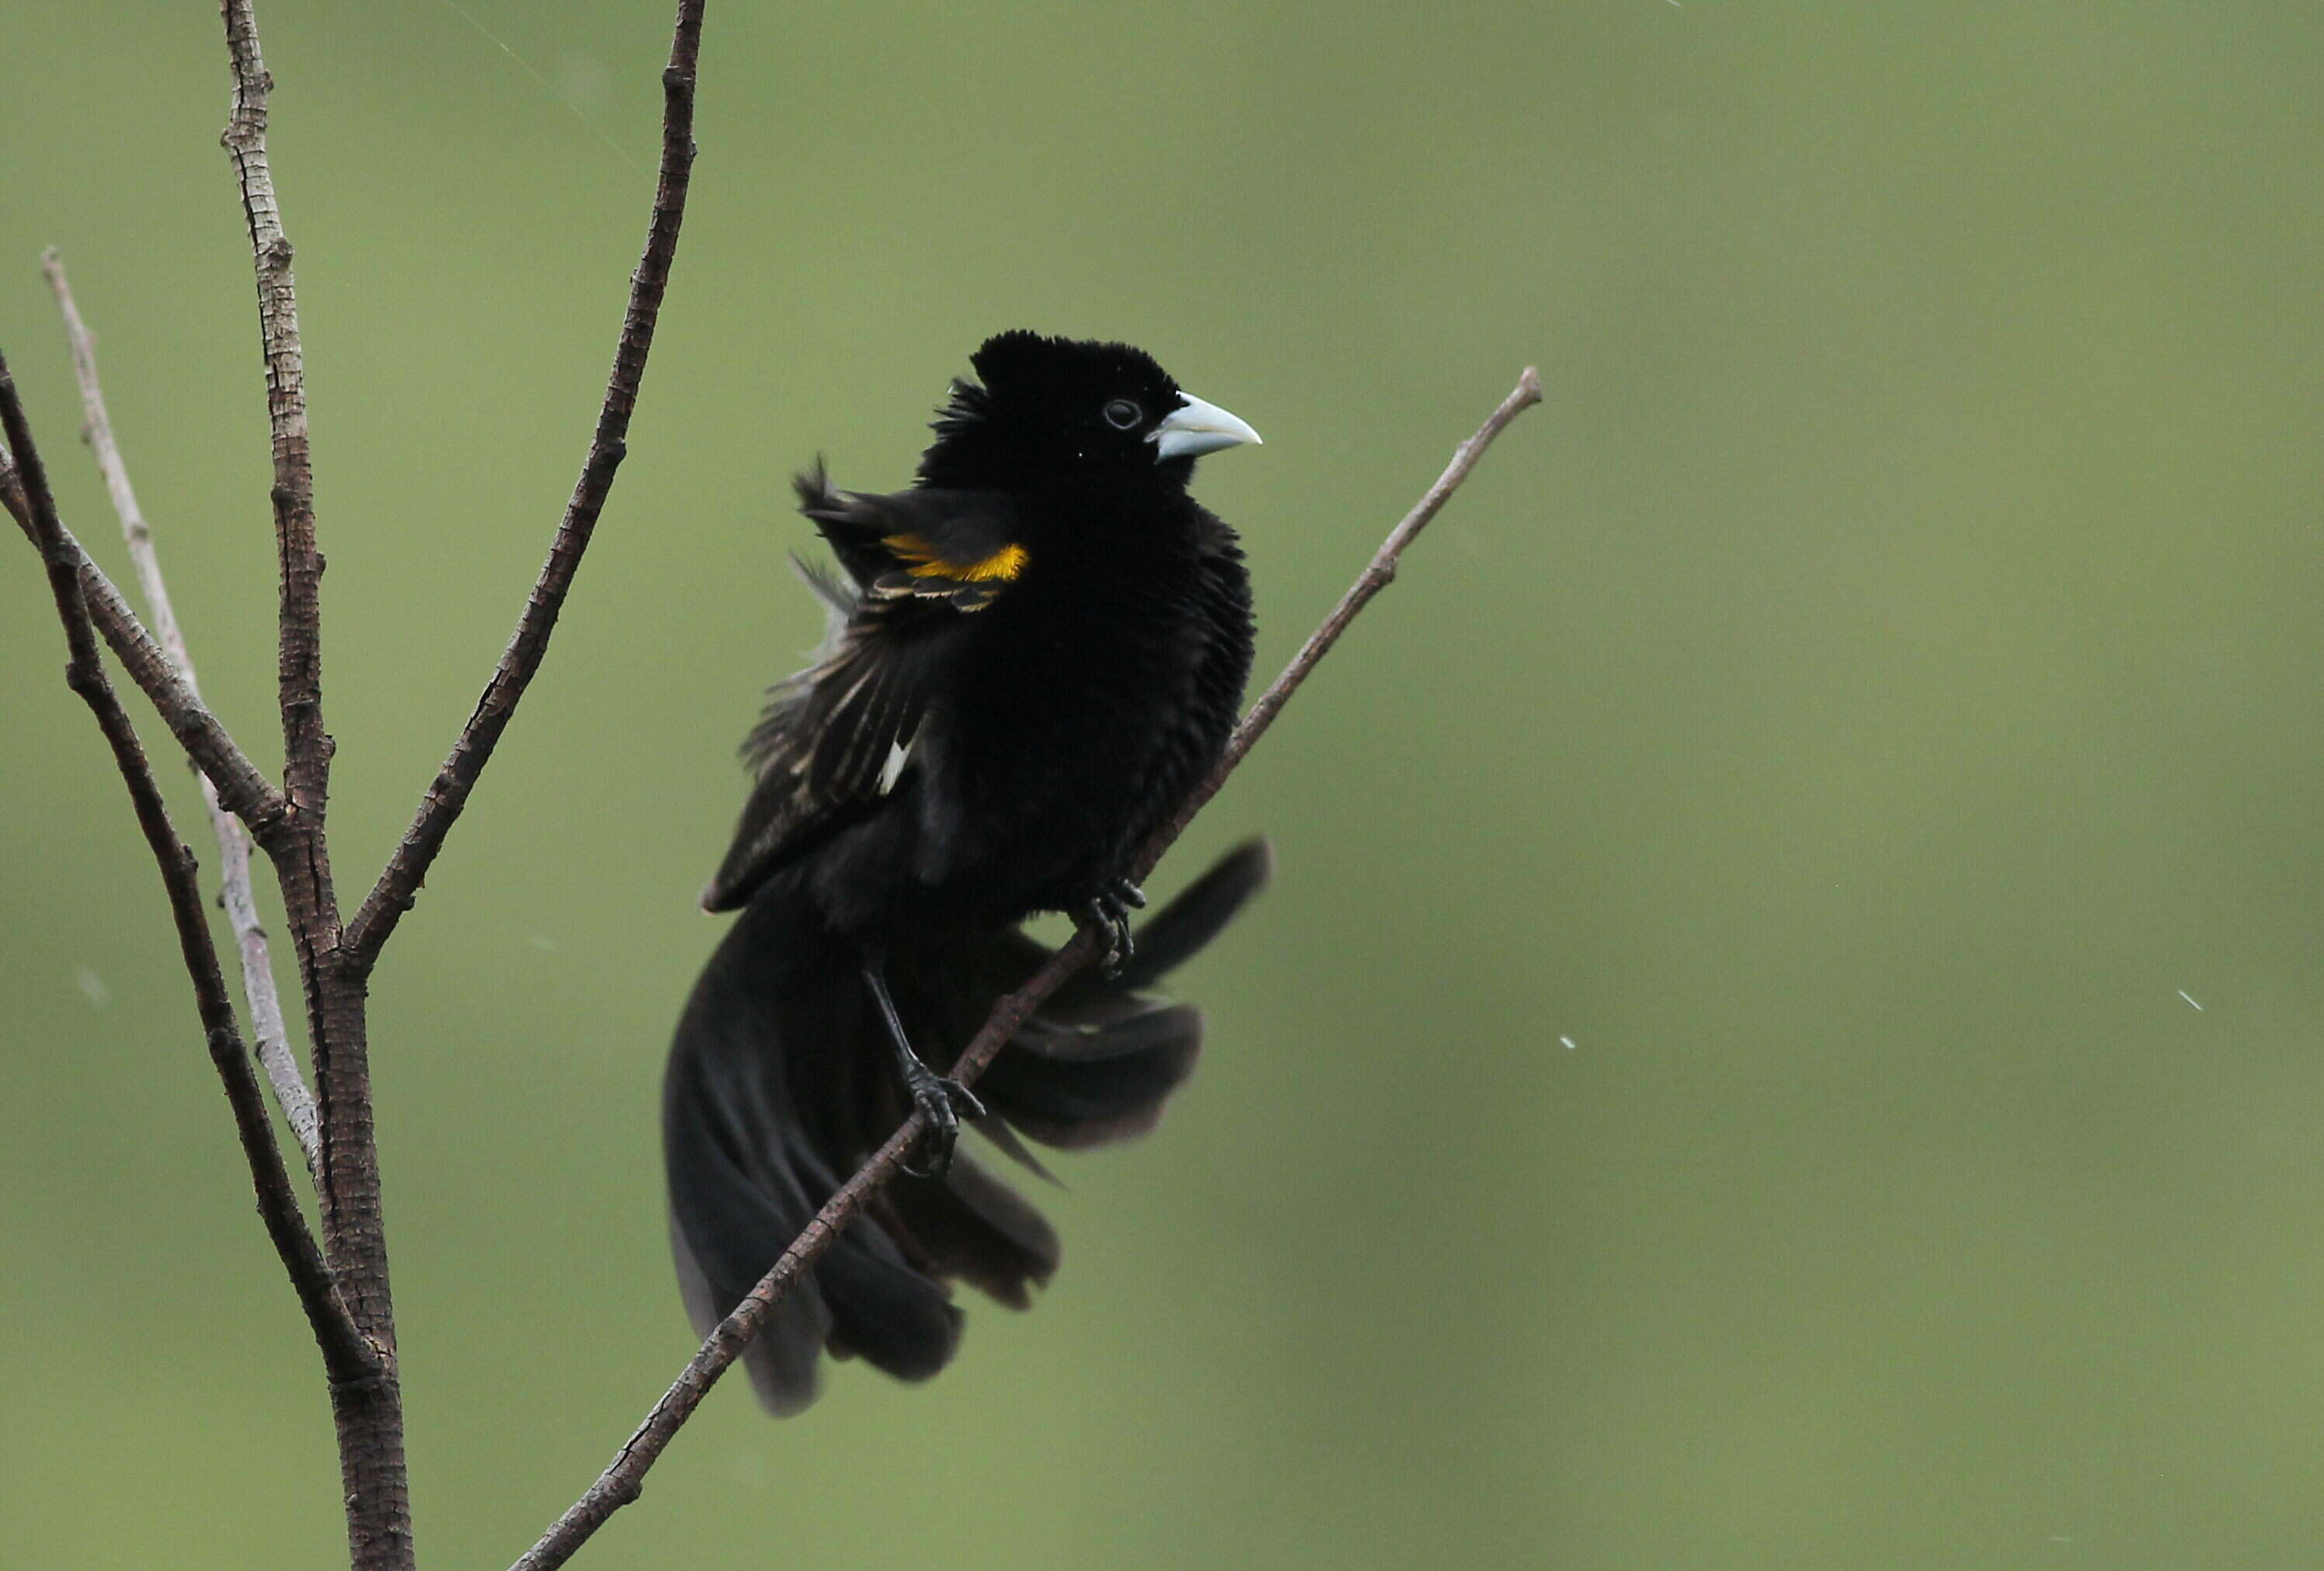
(1123, 415)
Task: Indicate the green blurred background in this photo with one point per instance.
(1861, 711)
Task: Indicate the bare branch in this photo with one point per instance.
(347, 1353)
(368, 1415)
(273, 1041)
(448, 793)
(345, 1282)
(305, 748)
(245, 792)
(624, 1479)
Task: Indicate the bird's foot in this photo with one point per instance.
(942, 1103)
(1108, 912)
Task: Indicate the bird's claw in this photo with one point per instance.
(942, 1103)
(1108, 912)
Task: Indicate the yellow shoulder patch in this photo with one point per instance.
(921, 561)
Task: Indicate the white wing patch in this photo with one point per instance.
(899, 752)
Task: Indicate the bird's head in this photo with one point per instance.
(1044, 407)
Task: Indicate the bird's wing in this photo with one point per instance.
(836, 738)
(964, 547)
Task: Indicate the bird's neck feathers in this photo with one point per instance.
(971, 451)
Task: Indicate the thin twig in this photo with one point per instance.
(272, 1044)
(448, 793)
(1379, 576)
(624, 1479)
(246, 793)
(347, 1353)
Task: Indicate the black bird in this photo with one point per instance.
(1034, 655)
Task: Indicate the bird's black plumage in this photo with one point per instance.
(1035, 653)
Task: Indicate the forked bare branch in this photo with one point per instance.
(344, 1279)
(347, 1354)
(366, 1415)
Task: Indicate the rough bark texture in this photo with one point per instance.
(368, 1409)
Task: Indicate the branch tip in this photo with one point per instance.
(440, 804)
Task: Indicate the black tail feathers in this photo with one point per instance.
(780, 1085)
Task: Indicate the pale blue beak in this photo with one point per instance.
(1196, 427)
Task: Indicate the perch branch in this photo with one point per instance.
(347, 1353)
(448, 793)
(624, 1479)
(272, 1040)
